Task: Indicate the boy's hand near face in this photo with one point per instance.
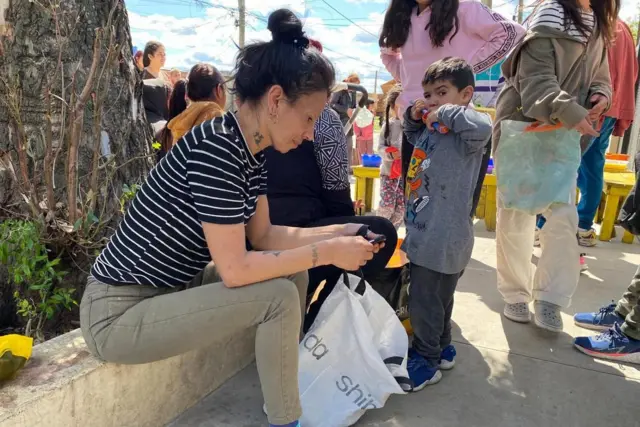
(432, 118)
(416, 110)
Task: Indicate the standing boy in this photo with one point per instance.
(440, 184)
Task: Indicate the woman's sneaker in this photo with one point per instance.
(612, 344)
(587, 238)
(448, 358)
(420, 373)
(601, 320)
(547, 316)
(518, 312)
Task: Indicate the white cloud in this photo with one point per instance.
(212, 37)
(630, 10)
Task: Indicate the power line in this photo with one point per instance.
(348, 19)
(351, 57)
(264, 20)
(326, 48)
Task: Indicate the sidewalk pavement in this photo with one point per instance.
(506, 375)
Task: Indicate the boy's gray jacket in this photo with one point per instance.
(440, 183)
(550, 77)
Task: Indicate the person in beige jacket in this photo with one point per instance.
(557, 74)
(206, 92)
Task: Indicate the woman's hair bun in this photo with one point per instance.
(286, 27)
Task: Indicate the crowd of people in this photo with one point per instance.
(249, 211)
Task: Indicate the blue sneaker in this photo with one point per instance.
(612, 345)
(448, 358)
(420, 372)
(601, 320)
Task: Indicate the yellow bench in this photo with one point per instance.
(616, 187)
(364, 185)
(490, 111)
(487, 206)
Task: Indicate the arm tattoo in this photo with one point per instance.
(274, 253)
(314, 256)
(258, 137)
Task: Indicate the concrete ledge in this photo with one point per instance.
(63, 385)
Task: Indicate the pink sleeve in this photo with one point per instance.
(500, 35)
(391, 60)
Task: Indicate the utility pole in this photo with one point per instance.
(241, 23)
(520, 10)
(375, 84)
(241, 28)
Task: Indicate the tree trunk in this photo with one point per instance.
(70, 110)
(73, 129)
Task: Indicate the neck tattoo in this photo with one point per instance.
(257, 138)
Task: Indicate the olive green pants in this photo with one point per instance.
(141, 324)
(629, 308)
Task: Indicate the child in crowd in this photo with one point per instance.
(440, 184)
(417, 33)
(344, 102)
(389, 146)
(364, 132)
(559, 73)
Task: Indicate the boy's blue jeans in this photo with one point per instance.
(590, 176)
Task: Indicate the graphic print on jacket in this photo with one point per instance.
(439, 191)
(417, 177)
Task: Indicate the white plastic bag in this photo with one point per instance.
(342, 358)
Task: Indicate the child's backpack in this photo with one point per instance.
(393, 285)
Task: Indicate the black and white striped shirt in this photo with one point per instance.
(209, 176)
(551, 14)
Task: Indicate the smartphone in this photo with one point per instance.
(378, 239)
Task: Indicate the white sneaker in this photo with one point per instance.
(547, 316)
(587, 238)
(518, 312)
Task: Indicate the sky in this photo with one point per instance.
(205, 30)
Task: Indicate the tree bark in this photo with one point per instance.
(73, 129)
(57, 62)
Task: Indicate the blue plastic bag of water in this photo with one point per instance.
(536, 165)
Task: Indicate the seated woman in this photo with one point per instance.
(207, 96)
(309, 187)
(176, 275)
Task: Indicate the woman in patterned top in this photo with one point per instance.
(309, 187)
(154, 291)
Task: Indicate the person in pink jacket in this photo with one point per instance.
(364, 134)
(417, 33)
